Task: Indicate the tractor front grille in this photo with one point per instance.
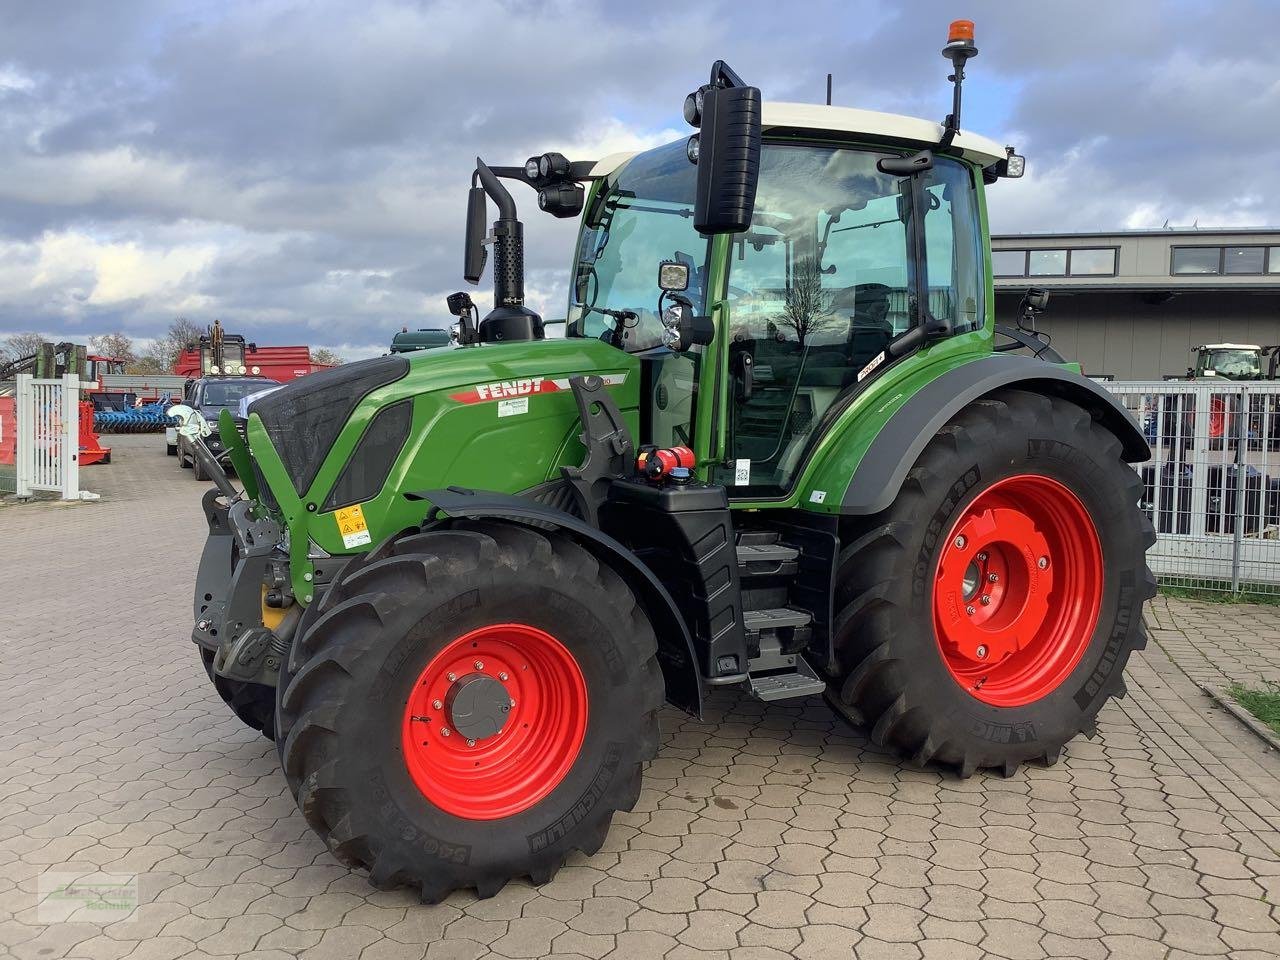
(304, 417)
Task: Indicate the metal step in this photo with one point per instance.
(756, 559)
(775, 618)
(803, 682)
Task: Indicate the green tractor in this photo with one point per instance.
(776, 452)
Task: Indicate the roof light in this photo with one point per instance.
(961, 31)
(214, 369)
(256, 370)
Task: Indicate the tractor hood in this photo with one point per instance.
(499, 417)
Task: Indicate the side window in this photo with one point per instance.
(953, 245)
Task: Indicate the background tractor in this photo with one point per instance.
(775, 452)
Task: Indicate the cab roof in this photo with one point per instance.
(873, 124)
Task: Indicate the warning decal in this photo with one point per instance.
(355, 532)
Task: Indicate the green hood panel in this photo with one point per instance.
(499, 417)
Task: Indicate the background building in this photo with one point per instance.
(1134, 304)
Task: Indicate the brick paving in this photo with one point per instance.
(1219, 643)
(766, 832)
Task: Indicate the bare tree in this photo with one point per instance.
(162, 353)
(327, 357)
(117, 346)
(808, 306)
(18, 345)
(147, 363)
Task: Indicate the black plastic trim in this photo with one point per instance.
(897, 446)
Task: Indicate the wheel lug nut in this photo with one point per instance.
(980, 557)
(436, 704)
(960, 542)
(970, 610)
(986, 601)
(470, 742)
(444, 731)
(993, 577)
(513, 702)
(503, 676)
(479, 664)
(981, 652)
(1043, 563)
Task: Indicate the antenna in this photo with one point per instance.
(828, 89)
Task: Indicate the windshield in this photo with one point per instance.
(1233, 363)
(228, 393)
(642, 215)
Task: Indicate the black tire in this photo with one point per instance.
(895, 680)
(197, 468)
(171, 449)
(183, 462)
(357, 658)
(253, 703)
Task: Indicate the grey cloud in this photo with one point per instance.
(321, 150)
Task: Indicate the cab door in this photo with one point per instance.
(820, 286)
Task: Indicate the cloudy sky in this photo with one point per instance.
(299, 169)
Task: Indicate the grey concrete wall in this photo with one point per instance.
(1134, 338)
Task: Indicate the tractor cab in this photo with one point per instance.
(1235, 361)
(843, 258)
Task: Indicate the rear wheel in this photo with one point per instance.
(197, 468)
(467, 706)
(986, 616)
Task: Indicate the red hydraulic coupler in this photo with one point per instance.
(661, 463)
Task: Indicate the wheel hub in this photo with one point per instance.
(1018, 589)
(478, 706)
(494, 721)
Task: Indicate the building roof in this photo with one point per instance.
(1204, 234)
(872, 123)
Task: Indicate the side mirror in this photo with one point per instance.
(727, 152)
(683, 329)
(475, 254)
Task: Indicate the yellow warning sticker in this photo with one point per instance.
(355, 532)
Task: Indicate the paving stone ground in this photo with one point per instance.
(765, 832)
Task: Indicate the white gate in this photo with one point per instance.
(48, 453)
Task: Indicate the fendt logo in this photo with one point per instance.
(523, 387)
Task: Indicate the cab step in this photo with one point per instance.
(803, 681)
(775, 618)
(767, 559)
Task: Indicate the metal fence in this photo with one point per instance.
(1212, 486)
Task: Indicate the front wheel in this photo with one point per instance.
(986, 617)
(467, 706)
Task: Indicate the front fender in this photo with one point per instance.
(675, 645)
(898, 445)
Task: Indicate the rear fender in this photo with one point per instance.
(898, 445)
(675, 646)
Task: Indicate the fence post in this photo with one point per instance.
(70, 439)
(1241, 461)
(25, 459)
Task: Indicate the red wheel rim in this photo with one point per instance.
(534, 681)
(1018, 590)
